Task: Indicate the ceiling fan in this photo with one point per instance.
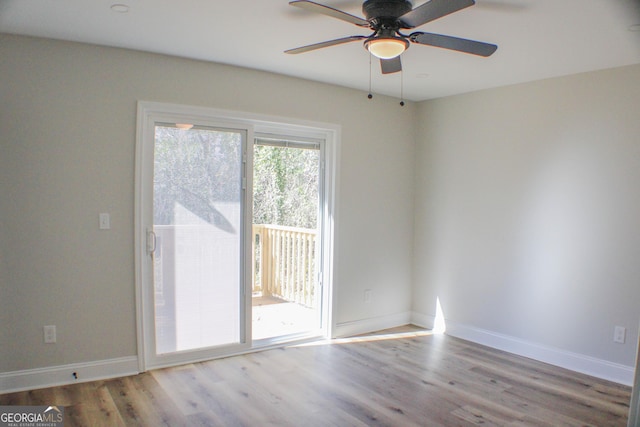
(387, 18)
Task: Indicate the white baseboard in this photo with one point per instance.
(592, 366)
(423, 320)
(372, 324)
(105, 369)
(31, 379)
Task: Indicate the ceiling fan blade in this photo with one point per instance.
(330, 11)
(431, 11)
(320, 45)
(454, 43)
(390, 66)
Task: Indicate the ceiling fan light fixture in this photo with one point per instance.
(386, 47)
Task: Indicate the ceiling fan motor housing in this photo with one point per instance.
(385, 9)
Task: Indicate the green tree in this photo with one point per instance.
(286, 186)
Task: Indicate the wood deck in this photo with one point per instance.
(274, 317)
(402, 377)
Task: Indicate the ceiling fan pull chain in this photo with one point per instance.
(401, 88)
(370, 94)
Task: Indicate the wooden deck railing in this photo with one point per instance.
(284, 263)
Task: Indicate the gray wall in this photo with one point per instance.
(67, 137)
(527, 211)
(526, 203)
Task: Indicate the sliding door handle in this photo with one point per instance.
(151, 242)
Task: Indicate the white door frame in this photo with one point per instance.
(634, 406)
(145, 241)
(151, 112)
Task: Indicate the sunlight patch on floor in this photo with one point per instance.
(407, 331)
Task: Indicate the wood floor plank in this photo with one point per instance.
(94, 406)
(133, 407)
(477, 416)
(401, 377)
(312, 403)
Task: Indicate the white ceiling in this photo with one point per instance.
(537, 38)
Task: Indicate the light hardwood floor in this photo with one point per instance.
(401, 377)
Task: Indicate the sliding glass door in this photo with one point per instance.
(195, 241)
(197, 223)
(230, 253)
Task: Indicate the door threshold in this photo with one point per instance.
(293, 339)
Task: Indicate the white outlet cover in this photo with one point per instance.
(49, 334)
(367, 295)
(105, 221)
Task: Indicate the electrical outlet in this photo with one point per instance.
(619, 333)
(368, 294)
(49, 334)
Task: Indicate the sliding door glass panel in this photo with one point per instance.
(286, 226)
(197, 222)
